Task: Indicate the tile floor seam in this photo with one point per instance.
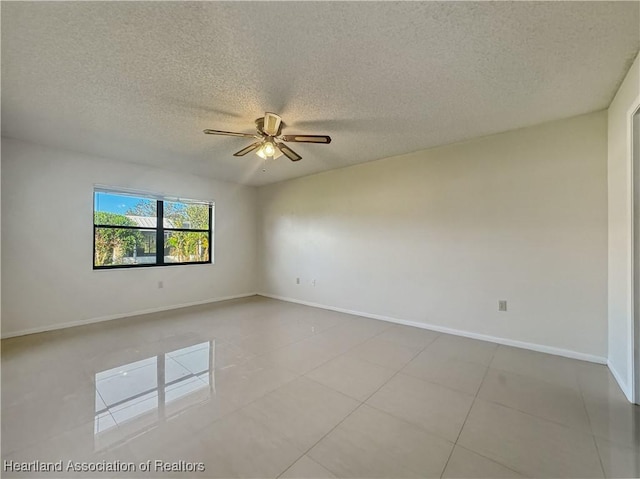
(228, 413)
(255, 399)
(349, 352)
(460, 359)
(387, 341)
(467, 448)
(318, 441)
(586, 410)
(51, 436)
(391, 325)
(305, 373)
(298, 376)
(332, 389)
(186, 366)
(535, 415)
(271, 351)
(99, 394)
(436, 383)
(308, 379)
(455, 443)
(433, 433)
(307, 338)
(323, 363)
(529, 376)
(369, 362)
(618, 442)
(344, 419)
(604, 474)
(308, 457)
(224, 415)
(580, 431)
(412, 424)
(230, 341)
(48, 438)
(593, 436)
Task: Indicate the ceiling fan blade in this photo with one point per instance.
(307, 138)
(289, 153)
(271, 125)
(248, 149)
(229, 133)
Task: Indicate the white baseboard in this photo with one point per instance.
(624, 386)
(457, 332)
(433, 327)
(83, 322)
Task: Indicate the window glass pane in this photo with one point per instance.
(120, 246)
(122, 210)
(185, 247)
(186, 215)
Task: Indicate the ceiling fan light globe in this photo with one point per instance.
(261, 154)
(269, 149)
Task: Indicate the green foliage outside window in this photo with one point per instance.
(111, 245)
(188, 246)
(183, 246)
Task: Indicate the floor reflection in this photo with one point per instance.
(135, 397)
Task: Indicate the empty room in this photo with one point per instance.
(320, 239)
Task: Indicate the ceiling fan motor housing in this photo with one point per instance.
(260, 127)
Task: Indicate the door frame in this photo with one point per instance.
(634, 366)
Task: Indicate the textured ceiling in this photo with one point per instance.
(139, 81)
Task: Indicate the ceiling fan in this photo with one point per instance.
(269, 144)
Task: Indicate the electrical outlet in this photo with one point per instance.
(297, 280)
(160, 284)
(313, 282)
(502, 305)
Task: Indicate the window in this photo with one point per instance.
(135, 230)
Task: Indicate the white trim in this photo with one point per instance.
(109, 317)
(628, 392)
(458, 332)
(138, 193)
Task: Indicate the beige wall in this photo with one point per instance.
(620, 111)
(437, 237)
(47, 210)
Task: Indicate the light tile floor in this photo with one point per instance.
(262, 388)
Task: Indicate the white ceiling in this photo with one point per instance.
(139, 81)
